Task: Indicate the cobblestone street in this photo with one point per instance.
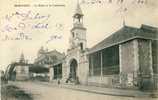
(49, 92)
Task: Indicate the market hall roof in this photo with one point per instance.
(126, 33)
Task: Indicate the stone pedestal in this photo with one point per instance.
(22, 72)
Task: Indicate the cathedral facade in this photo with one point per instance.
(75, 64)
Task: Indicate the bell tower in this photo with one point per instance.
(78, 32)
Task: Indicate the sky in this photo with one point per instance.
(48, 23)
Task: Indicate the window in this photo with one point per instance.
(110, 62)
(155, 56)
(58, 71)
(81, 46)
(73, 34)
(95, 65)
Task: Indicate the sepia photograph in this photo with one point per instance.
(79, 49)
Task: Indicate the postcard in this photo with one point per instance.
(79, 49)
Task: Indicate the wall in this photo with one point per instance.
(129, 61)
(128, 56)
(145, 56)
(136, 60)
(83, 69)
(82, 65)
(51, 74)
(145, 63)
(106, 81)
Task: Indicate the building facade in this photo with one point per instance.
(75, 63)
(46, 58)
(127, 58)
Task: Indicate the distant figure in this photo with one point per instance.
(58, 82)
(77, 80)
(67, 81)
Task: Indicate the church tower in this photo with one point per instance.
(78, 32)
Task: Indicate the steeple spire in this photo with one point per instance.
(78, 16)
(78, 9)
(78, 32)
(22, 59)
(41, 50)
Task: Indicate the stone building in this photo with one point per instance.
(129, 54)
(46, 58)
(129, 57)
(75, 64)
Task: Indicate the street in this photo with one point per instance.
(48, 92)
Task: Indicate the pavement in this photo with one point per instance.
(52, 91)
(105, 91)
